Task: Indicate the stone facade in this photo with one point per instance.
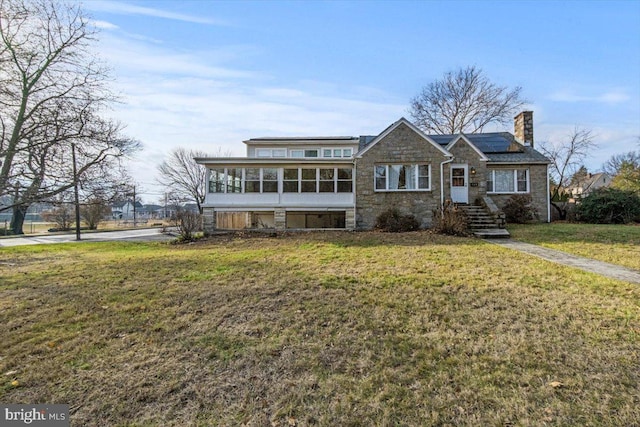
(465, 154)
(537, 189)
(401, 145)
(208, 220)
(280, 219)
(523, 127)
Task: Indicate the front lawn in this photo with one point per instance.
(616, 244)
(316, 329)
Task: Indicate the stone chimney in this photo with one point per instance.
(523, 127)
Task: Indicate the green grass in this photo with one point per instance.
(316, 329)
(616, 244)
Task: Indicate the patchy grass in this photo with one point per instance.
(616, 244)
(316, 329)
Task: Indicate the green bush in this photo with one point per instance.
(518, 209)
(393, 221)
(609, 206)
(450, 220)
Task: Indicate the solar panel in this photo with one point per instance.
(486, 142)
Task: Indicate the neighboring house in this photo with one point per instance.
(124, 210)
(346, 182)
(149, 211)
(588, 184)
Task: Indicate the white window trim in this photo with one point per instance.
(302, 153)
(515, 181)
(405, 190)
(264, 153)
(332, 155)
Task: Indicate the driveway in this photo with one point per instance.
(144, 234)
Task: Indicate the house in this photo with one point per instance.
(588, 184)
(345, 182)
(125, 210)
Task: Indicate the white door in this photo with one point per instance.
(459, 183)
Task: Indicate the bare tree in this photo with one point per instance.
(93, 212)
(464, 101)
(617, 162)
(566, 158)
(53, 92)
(62, 216)
(183, 177)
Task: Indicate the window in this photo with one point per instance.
(327, 180)
(252, 180)
(234, 180)
(381, 177)
(269, 152)
(299, 153)
(336, 152)
(508, 181)
(290, 181)
(216, 180)
(269, 180)
(402, 177)
(424, 176)
(457, 177)
(345, 180)
(308, 180)
(522, 181)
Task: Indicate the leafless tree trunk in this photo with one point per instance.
(53, 91)
(566, 158)
(464, 101)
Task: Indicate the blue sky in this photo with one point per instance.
(209, 74)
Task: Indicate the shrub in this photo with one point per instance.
(188, 224)
(63, 216)
(518, 209)
(450, 220)
(393, 221)
(609, 206)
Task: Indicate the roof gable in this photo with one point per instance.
(462, 137)
(393, 127)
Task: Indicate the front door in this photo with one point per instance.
(459, 183)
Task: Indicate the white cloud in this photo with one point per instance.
(129, 9)
(104, 25)
(614, 96)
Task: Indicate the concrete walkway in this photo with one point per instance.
(559, 257)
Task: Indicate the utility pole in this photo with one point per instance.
(134, 206)
(75, 190)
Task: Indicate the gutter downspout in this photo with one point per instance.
(355, 198)
(442, 180)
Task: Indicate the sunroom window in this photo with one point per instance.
(290, 183)
(216, 180)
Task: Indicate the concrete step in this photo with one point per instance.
(492, 233)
